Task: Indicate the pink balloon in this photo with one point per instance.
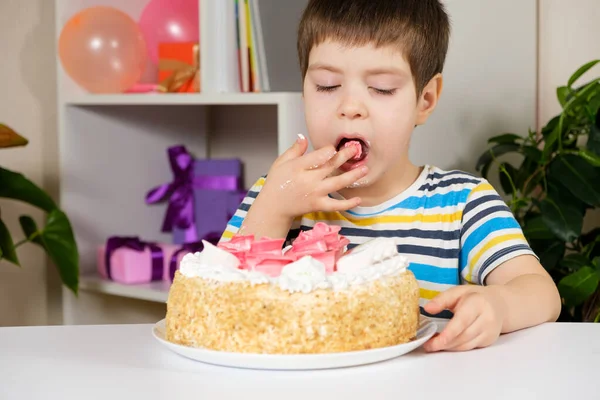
(102, 50)
(168, 21)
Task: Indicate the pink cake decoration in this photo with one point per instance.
(323, 243)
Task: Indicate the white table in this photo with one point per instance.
(551, 361)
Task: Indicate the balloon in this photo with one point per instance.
(168, 21)
(102, 50)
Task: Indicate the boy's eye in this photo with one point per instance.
(327, 88)
(387, 92)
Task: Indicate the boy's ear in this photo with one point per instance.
(429, 98)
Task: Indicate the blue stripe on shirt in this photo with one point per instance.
(425, 272)
(236, 221)
(479, 234)
(449, 199)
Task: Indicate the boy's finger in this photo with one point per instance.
(317, 158)
(468, 334)
(347, 179)
(446, 300)
(329, 204)
(462, 319)
(294, 151)
(470, 345)
(339, 159)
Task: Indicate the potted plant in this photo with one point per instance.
(555, 185)
(56, 237)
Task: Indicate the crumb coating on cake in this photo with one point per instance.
(262, 318)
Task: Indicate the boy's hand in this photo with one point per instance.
(479, 314)
(299, 183)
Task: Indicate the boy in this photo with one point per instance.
(372, 72)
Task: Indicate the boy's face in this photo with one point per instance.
(367, 94)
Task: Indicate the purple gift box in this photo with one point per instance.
(202, 198)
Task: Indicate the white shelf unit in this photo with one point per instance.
(113, 150)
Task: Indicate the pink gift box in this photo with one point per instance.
(131, 266)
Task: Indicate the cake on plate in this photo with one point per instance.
(253, 296)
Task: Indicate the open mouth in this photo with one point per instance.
(362, 149)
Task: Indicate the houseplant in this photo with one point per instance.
(553, 187)
(56, 237)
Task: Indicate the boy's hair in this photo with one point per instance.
(420, 28)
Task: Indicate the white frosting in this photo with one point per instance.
(218, 256)
(365, 263)
(304, 275)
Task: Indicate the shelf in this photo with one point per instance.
(180, 98)
(154, 291)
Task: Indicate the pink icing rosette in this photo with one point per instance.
(323, 243)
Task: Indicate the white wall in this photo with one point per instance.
(27, 103)
(569, 38)
(489, 82)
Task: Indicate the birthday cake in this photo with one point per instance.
(252, 296)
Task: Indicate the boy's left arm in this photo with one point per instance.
(518, 294)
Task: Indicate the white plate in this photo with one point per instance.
(426, 330)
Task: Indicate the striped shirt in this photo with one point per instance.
(453, 227)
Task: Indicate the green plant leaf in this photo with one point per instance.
(549, 143)
(578, 286)
(578, 176)
(564, 220)
(30, 229)
(575, 262)
(528, 173)
(536, 228)
(7, 246)
(486, 158)
(505, 180)
(549, 251)
(59, 242)
(15, 186)
(561, 94)
(593, 142)
(582, 70)
(594, 105)
(590, 157)
(550, 126)
(505, 138)
(532, 153)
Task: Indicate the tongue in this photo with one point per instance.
(356, 144)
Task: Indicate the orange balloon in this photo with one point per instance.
(103, 50)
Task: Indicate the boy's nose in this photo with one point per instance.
(352, 109)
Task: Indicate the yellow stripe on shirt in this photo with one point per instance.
(428, 294)
(384, 219)
(227, 235)
(489, 245)
(481, 187)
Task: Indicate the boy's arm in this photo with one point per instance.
(506, 287)
(261, 221)
(528, 291)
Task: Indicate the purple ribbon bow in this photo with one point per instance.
(193, 247)
(180, 212)
(133, 242)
